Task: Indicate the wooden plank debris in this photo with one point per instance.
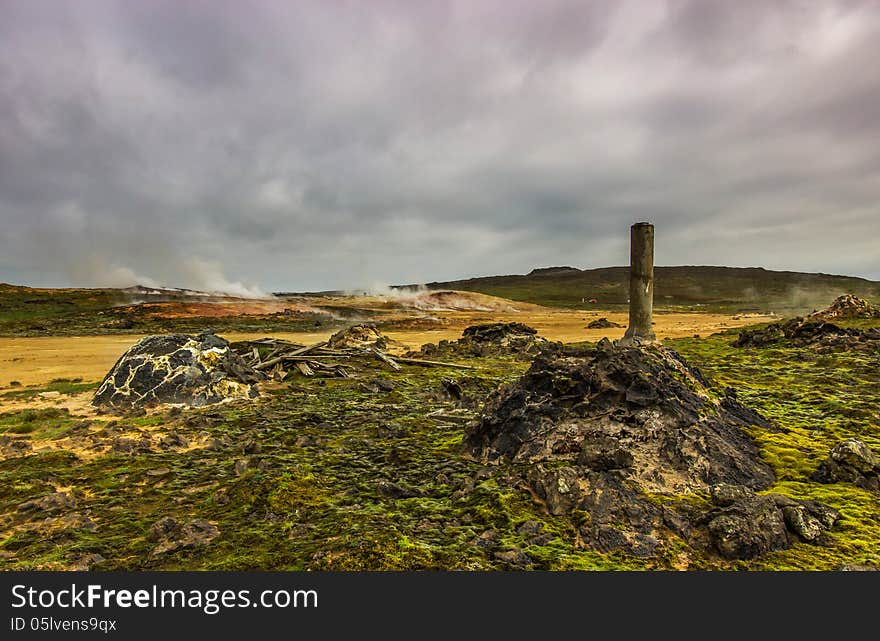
(419, 361)
(382, 356)
(304, 369)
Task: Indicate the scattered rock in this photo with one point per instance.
(159, 471)
(130, 446)
(85, 562)
(49, 504)
(251, 446)
(72, 521)
(250, 463)
(395, 491)
(384, 385)
(487, 539)
(855, 567)
(602, 323)
(177, 368)
(850, 461)
(11, 447)
(169, 535)
(514, 557)
(173, 440)
(530, 528)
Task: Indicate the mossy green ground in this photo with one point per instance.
(330, 446)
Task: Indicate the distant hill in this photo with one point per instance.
(722, 288)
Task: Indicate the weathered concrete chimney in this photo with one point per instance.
(641, 285)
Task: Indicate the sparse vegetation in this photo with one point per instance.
(331, 473)
(357, 479)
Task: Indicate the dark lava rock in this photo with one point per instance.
(753, 525)
(602, 323)
(800, 332)
(850, 461)
(170, 535)
(491, 339)
(497, 332)
(452, 388)
(644, 410)
(607, 432)
(748, 528)
(177, 368)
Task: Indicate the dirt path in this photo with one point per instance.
(36, 361)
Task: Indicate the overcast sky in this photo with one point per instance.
(311, 145)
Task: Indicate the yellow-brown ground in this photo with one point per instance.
(38, 360)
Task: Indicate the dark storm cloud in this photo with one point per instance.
(297, 145)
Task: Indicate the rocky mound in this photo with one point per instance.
(501, 333)
(491, 339)
(851, 462)
(358, 337)
(602, 323)
(610, 431)
(847, 307)
(177, 368)
(801, 332)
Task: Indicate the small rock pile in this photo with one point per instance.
(179, 369)
(490, 339)
(602, 323)
(847, 307)
(609, 431)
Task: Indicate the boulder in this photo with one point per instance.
(748, 528)
(177, 368)
(850, 461)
